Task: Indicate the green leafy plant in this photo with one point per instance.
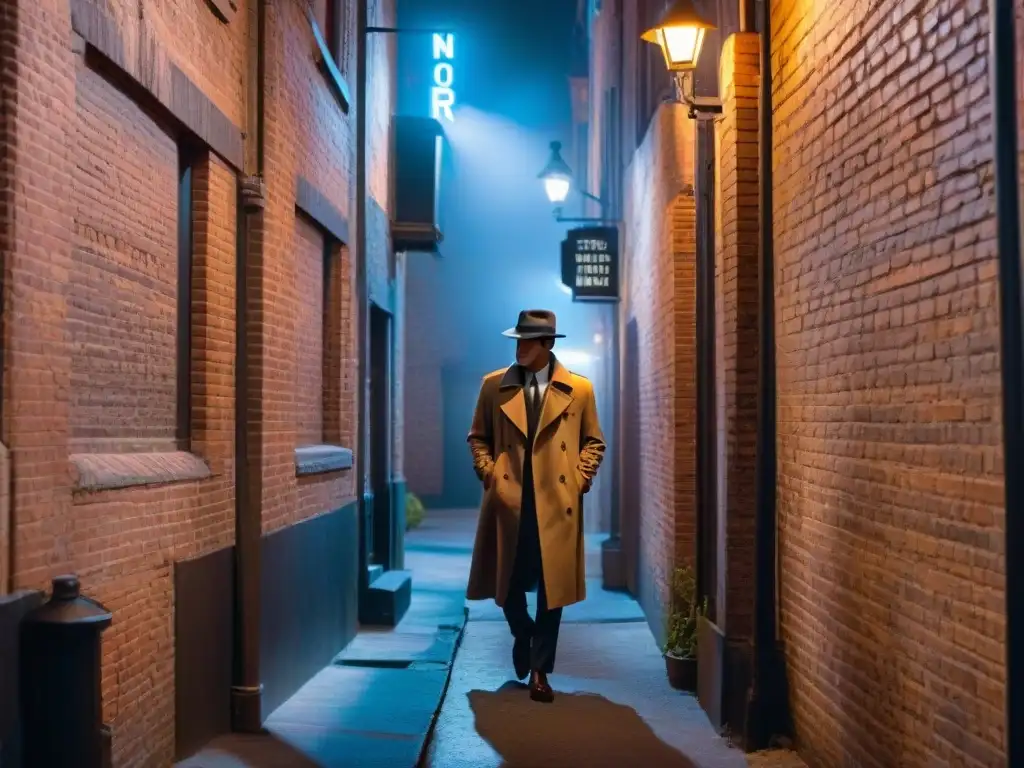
(686, 610)
(414, 511)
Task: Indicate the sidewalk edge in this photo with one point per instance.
(429, 736)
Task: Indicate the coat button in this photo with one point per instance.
(563, 446)
(504, 477)
(568, 510)
(561, 478)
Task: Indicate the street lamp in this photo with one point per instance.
(557, 176)
(680, 35)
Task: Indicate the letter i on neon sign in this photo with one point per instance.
(442, 97)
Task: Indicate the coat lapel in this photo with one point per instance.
(559, 396)
(512, 400)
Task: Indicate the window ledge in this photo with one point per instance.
(318, 459)
(325, 63)
(108, 471)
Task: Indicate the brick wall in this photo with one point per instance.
(122, 289)
(320, 150)
(890, 487)
(7, 70)
(310, 339)
(95, 215)
(102, 486)
(5, 519)
(737, 217)
(659, 288)
(423, 396)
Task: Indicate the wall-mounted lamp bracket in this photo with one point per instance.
(407, 31)
(700, 106)
(584, 220)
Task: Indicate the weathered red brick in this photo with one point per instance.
(737, 217)
(88, 239)
(890, 458)
(659, 267)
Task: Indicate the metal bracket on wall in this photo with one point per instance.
(254, 194)
(700, 106)
(224, 10)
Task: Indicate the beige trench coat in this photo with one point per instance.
(567, 453)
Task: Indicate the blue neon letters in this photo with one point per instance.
(442, 97)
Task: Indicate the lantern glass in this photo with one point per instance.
(557, 188)
(557, 175)
(681, 46)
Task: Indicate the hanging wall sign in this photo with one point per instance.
(442, 93)
(568, 269)
(590, 258)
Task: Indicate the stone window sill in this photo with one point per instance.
(325, 63)
(320, 459)
(109, 471)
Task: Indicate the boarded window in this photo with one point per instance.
(123, 286)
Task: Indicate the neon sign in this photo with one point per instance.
(442, 97)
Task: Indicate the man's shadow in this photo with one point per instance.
(578, 729)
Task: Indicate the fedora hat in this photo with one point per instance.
(535, 324)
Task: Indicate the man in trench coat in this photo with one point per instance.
(536, 445)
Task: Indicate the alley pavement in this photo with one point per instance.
(613, 708)
(373, 707)
(435, 691)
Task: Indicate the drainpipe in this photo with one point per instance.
(246, 692)
(1002, 65)
(748, 15)
(768, 712)
(362, 297)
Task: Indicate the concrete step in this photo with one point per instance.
(387, 599)
(374, 572)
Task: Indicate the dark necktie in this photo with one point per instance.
(533, 405)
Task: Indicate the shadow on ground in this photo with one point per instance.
(266, 751)
(577, 729)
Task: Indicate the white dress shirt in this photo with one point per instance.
(542, 377)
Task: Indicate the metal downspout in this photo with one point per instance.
(768, 715)
(246, 692)
(1002, 67)
(362, 297)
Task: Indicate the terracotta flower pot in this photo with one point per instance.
(682, 673)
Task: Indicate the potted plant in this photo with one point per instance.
(413, 511)
(681, 630)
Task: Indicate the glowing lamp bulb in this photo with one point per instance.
(557, 189)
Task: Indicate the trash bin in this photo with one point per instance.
(61, 708)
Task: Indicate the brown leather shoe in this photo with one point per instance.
(539, 688)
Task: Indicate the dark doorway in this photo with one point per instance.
(380, 534)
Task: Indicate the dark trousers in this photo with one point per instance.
(527, 573)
